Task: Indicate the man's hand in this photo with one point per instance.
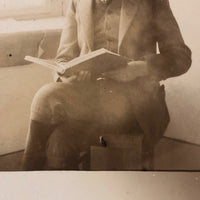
(81, 76)
(133, 70)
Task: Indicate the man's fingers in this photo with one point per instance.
(69, 79)
(79, 76)
(83, 76)
(88, 76)
(112, 73)
(72, 78)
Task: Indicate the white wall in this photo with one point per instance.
(183, 93)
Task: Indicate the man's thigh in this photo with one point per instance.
(106, 102)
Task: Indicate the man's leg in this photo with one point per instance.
(35, 155)
(104, 103)
(48, 114)
(147, 155)
(147, 99)
(62, 149)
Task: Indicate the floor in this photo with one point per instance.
(169, 155)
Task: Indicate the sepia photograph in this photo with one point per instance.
(99, 85)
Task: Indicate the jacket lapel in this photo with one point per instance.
(86, 21)
(128, 11)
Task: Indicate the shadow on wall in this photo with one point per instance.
(36, 43)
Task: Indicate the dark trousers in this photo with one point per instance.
(67, 118)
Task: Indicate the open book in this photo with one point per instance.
(96, 62)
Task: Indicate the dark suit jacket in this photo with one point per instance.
(143, 24)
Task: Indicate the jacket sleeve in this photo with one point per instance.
(68, 48)
(175, 57)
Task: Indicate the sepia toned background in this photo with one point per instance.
(179, 149)
(18, 85)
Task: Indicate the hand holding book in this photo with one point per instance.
(82, 75)
(96, 62)
(133, 70)
(92, 64)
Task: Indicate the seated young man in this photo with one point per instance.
(126, 99)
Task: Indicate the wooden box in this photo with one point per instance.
(122, 152)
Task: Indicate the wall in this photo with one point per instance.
(183, 93)
(15, 46)
(18, 85)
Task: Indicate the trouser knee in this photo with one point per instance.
(47, 104)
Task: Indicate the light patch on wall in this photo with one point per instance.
(15, 4)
